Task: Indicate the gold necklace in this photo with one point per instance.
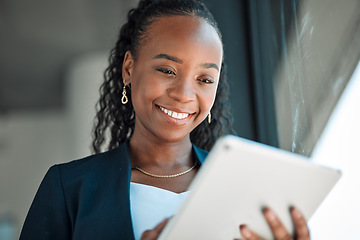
(166, 176)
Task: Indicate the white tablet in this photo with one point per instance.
(238, 179)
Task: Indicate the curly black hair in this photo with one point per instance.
(117, 119)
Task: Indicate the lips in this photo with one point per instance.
(174, 114)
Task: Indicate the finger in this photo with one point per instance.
(302, 230)
(154, 233)
(248, 234)
(278, 229)
(161, 225)
(149, 235)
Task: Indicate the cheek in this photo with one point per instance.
(145, 89)
(208, 99)
(138, 92)
(213, 94)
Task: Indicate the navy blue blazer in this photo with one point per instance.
(85, 199)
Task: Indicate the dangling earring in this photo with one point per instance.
(124, 98)
(209, 117)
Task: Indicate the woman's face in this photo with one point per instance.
(174, 77)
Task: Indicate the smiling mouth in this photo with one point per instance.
(173, 114)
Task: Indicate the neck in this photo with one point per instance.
(145, 151)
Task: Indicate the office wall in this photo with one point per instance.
(52, 58)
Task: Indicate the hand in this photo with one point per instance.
(278, 229)
(154, 233)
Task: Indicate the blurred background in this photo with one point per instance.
(292, 68)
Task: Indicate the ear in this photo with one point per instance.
(127, 67)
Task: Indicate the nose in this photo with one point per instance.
(182, 90)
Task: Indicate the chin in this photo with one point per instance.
(173, 137)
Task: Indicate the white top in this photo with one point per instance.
(150, 205)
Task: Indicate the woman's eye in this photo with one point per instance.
(166, 71)
(206, 80)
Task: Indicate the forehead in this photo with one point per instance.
(182, 34)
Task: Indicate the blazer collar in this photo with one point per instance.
(200, 153)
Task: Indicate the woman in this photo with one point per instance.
(164, 93)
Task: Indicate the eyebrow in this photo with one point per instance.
(210, 65)
(168, 57)
(177, 60)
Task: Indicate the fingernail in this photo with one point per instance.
(270, 215)
(245, 232)
(296, 213)
(165, 220)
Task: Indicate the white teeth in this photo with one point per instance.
(174, 114)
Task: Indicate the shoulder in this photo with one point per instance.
(94, 166)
